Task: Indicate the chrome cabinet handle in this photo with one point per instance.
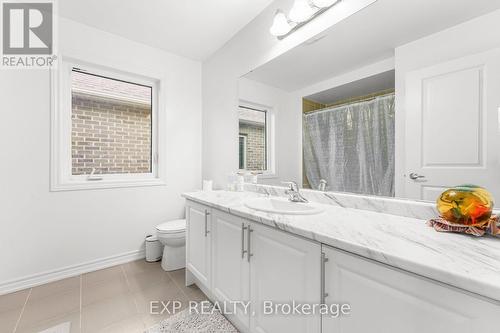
(324, 294)
(206, 222)
(243, 251)
(415, 176)
(249, 254)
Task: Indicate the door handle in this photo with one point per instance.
(243, 251)
(207, 213)
(415, 176)
(249, 254)
(324, 294)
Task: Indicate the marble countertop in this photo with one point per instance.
(463, 261)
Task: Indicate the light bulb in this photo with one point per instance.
(280, 25)
(323, 3)
(301, 11)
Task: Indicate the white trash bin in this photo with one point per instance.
(154, 249)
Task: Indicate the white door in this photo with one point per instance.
(198, 226)
(283, 268)
(230, 267)
(452, 126)
(386, 300)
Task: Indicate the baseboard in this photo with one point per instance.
(69, 271)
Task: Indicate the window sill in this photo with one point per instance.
(105, 184)
(267, 176)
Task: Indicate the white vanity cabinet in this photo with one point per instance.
(384, 299)
(230, 266)
(234, 259)
(256, 263)
(283, 268)
(198, 242)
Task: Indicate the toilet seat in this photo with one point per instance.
(172, 227)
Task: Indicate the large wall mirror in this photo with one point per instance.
(387, 112)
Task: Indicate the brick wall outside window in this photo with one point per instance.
(256, 146)
(110, 135)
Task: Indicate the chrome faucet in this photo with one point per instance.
(322, 185)
(294, 193)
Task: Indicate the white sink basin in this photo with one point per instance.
(283, 206)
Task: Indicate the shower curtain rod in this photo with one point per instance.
(354, 100)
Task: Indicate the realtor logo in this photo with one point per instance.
(28, 34)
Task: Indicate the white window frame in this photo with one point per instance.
(270, 171)
(62, 178)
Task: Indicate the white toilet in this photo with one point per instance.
(172, 235)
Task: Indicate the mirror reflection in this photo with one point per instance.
(395, 116)
(252, 138)
(348, 137)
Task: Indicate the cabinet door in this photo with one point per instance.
(387, 300)
(230, 267)
(283, 268)
(198, 241)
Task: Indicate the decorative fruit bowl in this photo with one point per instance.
(466, 205)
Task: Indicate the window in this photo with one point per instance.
(111, 125)
(105, 129)
(254, 138)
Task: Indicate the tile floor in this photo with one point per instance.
(115, 299)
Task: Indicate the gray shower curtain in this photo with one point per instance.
(352, 147)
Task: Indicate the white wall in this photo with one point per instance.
(43, 231)
(475, 36)
(248, 49)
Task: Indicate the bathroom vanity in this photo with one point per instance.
(396, 274)
(385, 138)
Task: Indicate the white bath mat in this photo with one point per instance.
(186, 322)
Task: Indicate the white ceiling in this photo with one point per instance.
(366, 37)
(363, 87)
(191, 28)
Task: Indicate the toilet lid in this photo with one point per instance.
(172, 226)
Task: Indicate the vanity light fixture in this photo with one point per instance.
(281, 26)
(323, 3)
(302, 12)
